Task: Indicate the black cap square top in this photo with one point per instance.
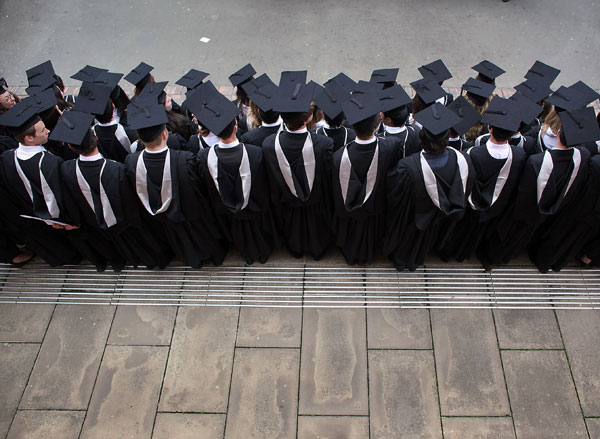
(42, 101)
(217, 114)
(40, 83)
(503, 113)
(43, 69)
(567, 98)
(344, 80)
(360, 107)
(590, 94)
(436, 118)
(200, 96)
(428, 90)
(108, 79)
(330, 99)
(73, 127)
(295, 99)
(146, 114)
(467, 114)
(542, 72)
(92, 98)
(242, 75)
(88, 73)
(528, 109)
(435, 70)
(20, 117)
(488, 71)
(579, 126)
(366, 87)
(192, 79)
(3, 86)
(291, 78)
(384, 75)
(151, 92)
(534, 89)
(393, 97)
(140, 75)
(257, 83)
(262, 96)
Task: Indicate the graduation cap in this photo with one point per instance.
(436, 70)
(291, 78)
(330, 99)
(428, 90)
(40, 84)
(590, 94)
(385, 76)
(217, 114)
(192, 79)
(366, 87)
(151, 92)
(503, 113)
(242, 75)
(361, 107)
(3, 86)
(42, 101)
(534, 89)
(19, 118)
(542, 72)
(293, 99)
(579, 126)
(528, 109)
(92, 98)
(478, 91)
(147, 118)
(140, 75)
(393, 97)
(315, 87)
(567, 98)
(261, 95)
(488, 71)
(436, 118)
(88, 73)
(43, 69)
(73, 127)
(467, 114)
(108, 79)
(344, 80)
(200, 96)
(257, 83)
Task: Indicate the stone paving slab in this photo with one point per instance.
(469, 370)
(142, 325)
(403, 395)
(478, 428)
(199, 368)
(66, 368)
(527, 329)
(264, 394)
(126, 393)
(16, 361)
(581, 332)
(270, 327)
(542, 395)
(398, 329)
(325, 427)
(593, 425)
(333, 373)
(29, 424)
(188, 426)
(24, 323)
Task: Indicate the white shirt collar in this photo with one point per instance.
(267, 125)
(321, 123)
(453, 139)
(233, 144)
(364, 142)
(25, 152)
(516, 136)
(211, 139)
(394, 130)
(498, 151)
(90, 158)
(300, 131)
(156, 152)
(108, 124)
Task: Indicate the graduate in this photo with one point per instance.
(438, 72)
(479, 94)
(487, 72)
(262, 95)
(359, 171)
(427, 192)
(298, 164)
(236, 181)
(330, 102)
(469, 117)
(204, 138)
(237, 79)
(498, 166)
(170, 192)
(100, 199)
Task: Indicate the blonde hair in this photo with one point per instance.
(253, 119)
(475, 131)
(552, 122)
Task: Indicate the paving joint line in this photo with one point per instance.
(300, 353)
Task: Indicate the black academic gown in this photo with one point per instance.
(341, 136)
(408, 141)
(110, 146)
(527, 143)
(188, 221)
(518, 225)
(303, 219)
(245, 222)
(7, 142)
(258, 135)
(117, 231)
(589, 214)
(56, 247)
(359, 225)
(484, 209)
(414, 224)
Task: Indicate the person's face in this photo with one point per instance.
(168, 103)
(7, 100)
(40, 136)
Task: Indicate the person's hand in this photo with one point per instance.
(69, 227)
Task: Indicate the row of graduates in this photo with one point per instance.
(339, 183)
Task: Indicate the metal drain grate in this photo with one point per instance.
(305, 286)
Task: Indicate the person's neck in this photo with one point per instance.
(559, 145)
(161, 145)
(93, 153)
(229, 139)
(495, 141)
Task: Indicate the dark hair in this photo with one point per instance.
(269, 116)
(228, 130)
(431, 143)
(120, 99)
(399, 116)
(418, 104)
(17, 100)
(20, 137)
(60, 99)
(107, 116)
(500, 134)
(337, 121)
(59, 83)
(50, 117)
(241, 96)
(142, 84)
(179, 124)
(294, 121)
(366, 127)
(87, 146)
